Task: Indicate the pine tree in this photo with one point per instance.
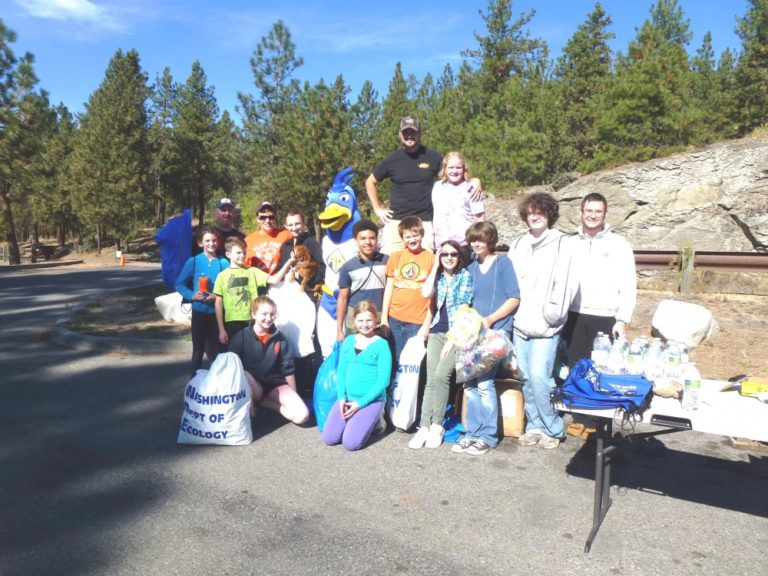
(507, 49)
(365, 112)
(163, 163)
(752, 67)
(111, 154)
(24, 119)
(273, 64)
(230, 162)
(708, 95)
(395, 105)
(649, 108)
(50, 202)
(581, 75)
(194, 135)
(317, 143)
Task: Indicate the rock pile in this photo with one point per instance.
(715, 199)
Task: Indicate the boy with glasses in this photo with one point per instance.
(264, 244)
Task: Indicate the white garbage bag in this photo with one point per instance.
(217, 403)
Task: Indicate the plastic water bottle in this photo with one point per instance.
(672, 360)
(635, 357)
(599, 351)
(691, 387)
(616, 356)
(653, 365)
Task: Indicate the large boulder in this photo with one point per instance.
(684, 322)
(715, 198)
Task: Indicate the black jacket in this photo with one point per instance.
(269, 363)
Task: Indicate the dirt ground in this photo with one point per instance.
(739, 347)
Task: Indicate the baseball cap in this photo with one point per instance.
(225, 202)
(265, 206)
(409, 122)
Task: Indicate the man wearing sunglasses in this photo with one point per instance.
(264, 244)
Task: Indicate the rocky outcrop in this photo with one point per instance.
(715, 198)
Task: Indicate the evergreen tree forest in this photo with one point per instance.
(145, 148)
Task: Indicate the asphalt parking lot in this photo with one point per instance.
(93, 482)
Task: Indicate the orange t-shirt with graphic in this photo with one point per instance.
(408, 272)
(264, 250)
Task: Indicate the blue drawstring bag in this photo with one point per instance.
(587, 388)
(324, 394)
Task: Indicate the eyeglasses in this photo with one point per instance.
(267, 217)
(449, 254)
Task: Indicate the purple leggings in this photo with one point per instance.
(352, 433)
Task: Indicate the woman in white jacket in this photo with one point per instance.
(541, 258)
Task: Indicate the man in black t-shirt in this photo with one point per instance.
(412, 170)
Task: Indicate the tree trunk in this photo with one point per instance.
(14, 256)
(98, 239)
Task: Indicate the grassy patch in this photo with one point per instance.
(131, 313)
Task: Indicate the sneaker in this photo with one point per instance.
(435, 436)
(479, 448)
(529, 439)
(547, 442)
(462, 445)
(419, 439)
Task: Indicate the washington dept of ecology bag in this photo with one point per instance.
(216, 405)
(403, 396)
(324, 394)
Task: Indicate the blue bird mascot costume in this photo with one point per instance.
(337, 219)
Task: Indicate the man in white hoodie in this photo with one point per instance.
(604, 281)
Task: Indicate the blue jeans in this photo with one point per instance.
(401, 332)
(536, 361)
(482, 408)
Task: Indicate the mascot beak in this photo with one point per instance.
(334, 217)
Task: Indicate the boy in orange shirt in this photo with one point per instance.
(405, 309)
(264, 244)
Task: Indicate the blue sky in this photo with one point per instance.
(73, 40)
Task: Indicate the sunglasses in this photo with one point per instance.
(449, 254)
(270, 217)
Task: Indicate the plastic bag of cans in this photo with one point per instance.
(473, 361)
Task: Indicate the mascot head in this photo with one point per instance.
(341, 211)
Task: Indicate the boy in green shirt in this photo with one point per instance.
(236, 287)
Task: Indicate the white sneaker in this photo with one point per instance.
(548, 443)
(435, 436)
(419, 439)
(529, 439)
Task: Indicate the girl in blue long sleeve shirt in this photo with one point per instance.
(205, 266)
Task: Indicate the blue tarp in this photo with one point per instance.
(175, 240)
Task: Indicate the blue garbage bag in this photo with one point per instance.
(325, 387)
(175, 240)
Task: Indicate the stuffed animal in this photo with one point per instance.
(305, 266)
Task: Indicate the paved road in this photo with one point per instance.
(93, 482)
